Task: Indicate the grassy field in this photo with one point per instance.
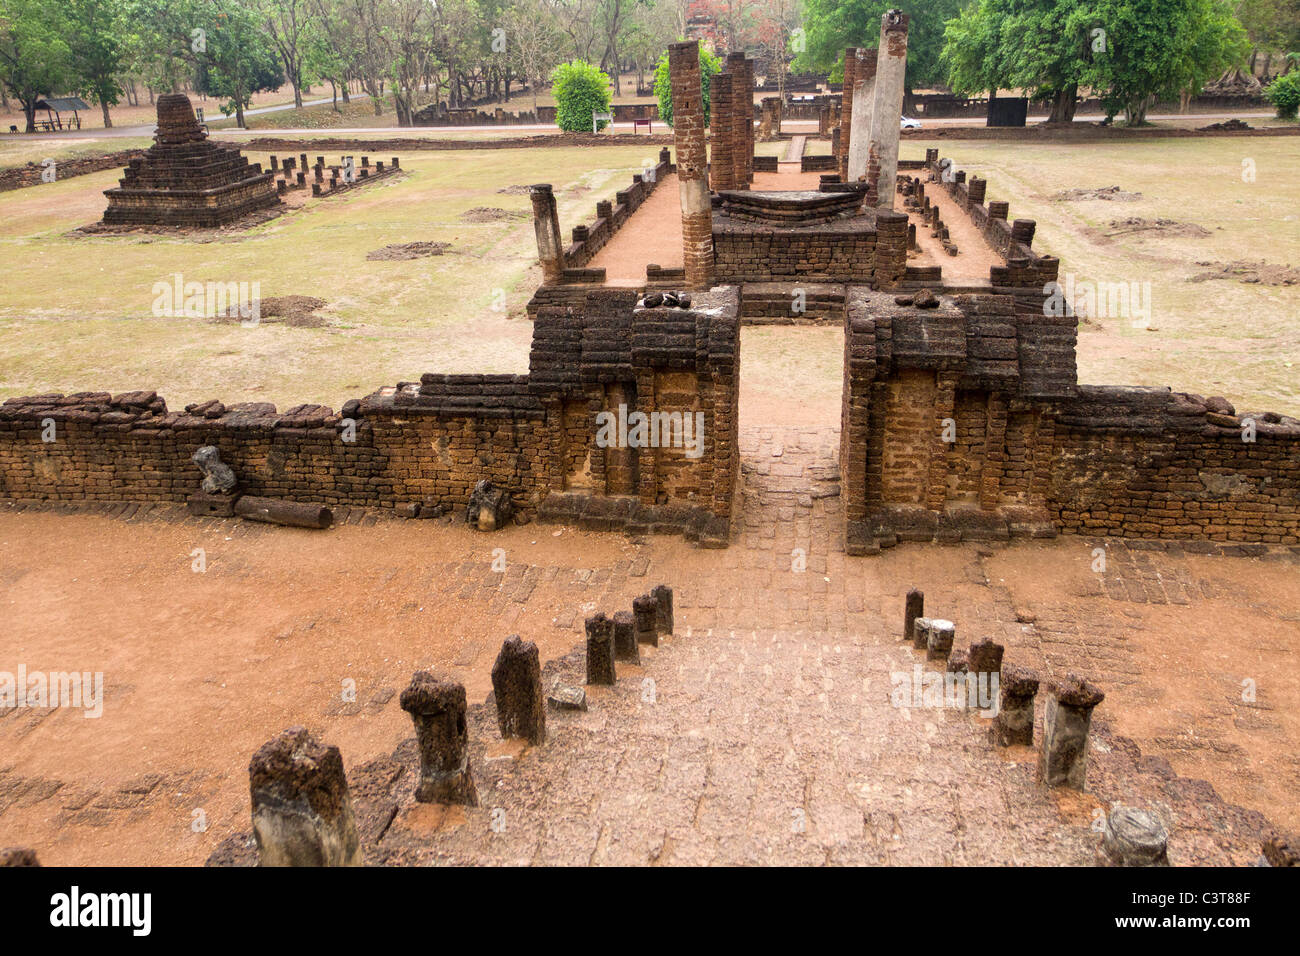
(77, 311)
(1225, 337)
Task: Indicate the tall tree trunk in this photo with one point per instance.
(29, 111)
(108, 120)
(1064, 104)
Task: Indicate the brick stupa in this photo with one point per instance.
(185, 179)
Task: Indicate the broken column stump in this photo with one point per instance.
(645, 611)
(663, 596)
(1014, 723)
(517, 686)
(913, 607)
(626, 647)
(18, 856)
(302, 812)
(985, 657)
(489, 507)
(939, 637)
(1063, 760)
(437, 708)
(1279, 849)
(921, 633)
(1135, 837)
(600, 649)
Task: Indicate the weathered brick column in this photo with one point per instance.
(600, 649)
(743, 98)
(302, 812)
(517, 687)
(1067, 720)
(546, 222)
(645, 611)
(891, 73)
(692, 163)
(864, 92)
(437, 708)
(913, 607)
(722, 120)
(1014, 723)
(846, 109)
(626, 647)
(663, 596)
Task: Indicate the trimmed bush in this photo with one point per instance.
(579, 90)
(709, 65)
(1284, 94)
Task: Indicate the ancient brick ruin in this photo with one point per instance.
(962, 416)
(185, 179)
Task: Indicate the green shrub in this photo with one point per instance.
(579, 90)
(709, 65)
(1284, 94)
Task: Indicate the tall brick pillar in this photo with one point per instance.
(864, 92)
(742, 100)
(722, 119)
(546, 221)
(846, 109)
(692, 163)
(891, 71)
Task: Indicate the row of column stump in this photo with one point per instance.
(1132, 837)
(301, 807)
(293, 172)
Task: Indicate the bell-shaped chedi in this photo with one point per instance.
(185, 179)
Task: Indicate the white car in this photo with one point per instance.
(906, 122)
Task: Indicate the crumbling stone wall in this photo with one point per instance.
(963, 421)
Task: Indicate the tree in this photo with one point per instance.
(1041, 46)
(833, 25)
(532, 37)
(35, 58)
(287, 25)
(98, 34)
(579, 89)
(777, 22)
(1284, 94)
(709, 66)
(1159, 49)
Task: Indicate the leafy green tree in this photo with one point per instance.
(579, 89)
(710, 65)
(35, 57)
(1160, 48)
(99, 41)
(1284, 94)
(832, 25)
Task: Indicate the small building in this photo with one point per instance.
(55, 107)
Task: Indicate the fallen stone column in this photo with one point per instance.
(517, 687)
(1014, 723)
(1063, 760)
(600, 650)
(293, 514)
(913, 608)
(437, 708)
(645, 610)
(302, 811)
(546, 224)
(663, 596)
(1135, 838)
(626, 646)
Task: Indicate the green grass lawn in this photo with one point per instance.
(1214, 337)
(76, 313)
